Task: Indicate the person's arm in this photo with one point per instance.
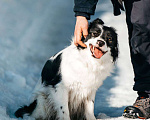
(85, 7)
(83, 10)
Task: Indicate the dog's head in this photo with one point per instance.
(101, 40)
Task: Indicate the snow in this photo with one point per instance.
(33, 30)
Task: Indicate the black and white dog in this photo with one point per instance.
(69, 80)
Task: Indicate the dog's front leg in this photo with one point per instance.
(89, 107)
(60, 97)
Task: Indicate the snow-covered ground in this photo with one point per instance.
(33, 30)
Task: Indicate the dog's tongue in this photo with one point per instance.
(98, 53)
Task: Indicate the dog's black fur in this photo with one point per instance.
(50, 73)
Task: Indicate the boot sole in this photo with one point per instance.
(133, 112)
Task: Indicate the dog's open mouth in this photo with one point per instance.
(96, 51)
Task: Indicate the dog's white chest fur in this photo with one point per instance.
(82, 72)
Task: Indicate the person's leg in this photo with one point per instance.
(138, 22)
(140, 42)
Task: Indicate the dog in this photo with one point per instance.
(70, 79)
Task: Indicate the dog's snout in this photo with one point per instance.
(100, 43)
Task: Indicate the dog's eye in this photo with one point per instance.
(110, 39)
(95, 34)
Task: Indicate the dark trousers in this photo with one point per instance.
(138, 22)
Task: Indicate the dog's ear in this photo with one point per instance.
(93, 28)
(98, 21)
(94, 23)
(114, 53)
(114, 50)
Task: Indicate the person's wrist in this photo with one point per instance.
(81, 18)
(86, 15)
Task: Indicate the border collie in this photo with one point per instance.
(70, 79)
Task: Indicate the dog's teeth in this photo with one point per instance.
(93, 48)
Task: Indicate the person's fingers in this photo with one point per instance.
(80, 28)
(77, 35)
(81, 43)
(78, 38)
(85, 32)
(75, 42)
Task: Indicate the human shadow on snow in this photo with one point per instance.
(102, 96)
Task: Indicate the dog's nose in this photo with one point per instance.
(100, 43)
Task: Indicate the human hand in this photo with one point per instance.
(81, 27)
